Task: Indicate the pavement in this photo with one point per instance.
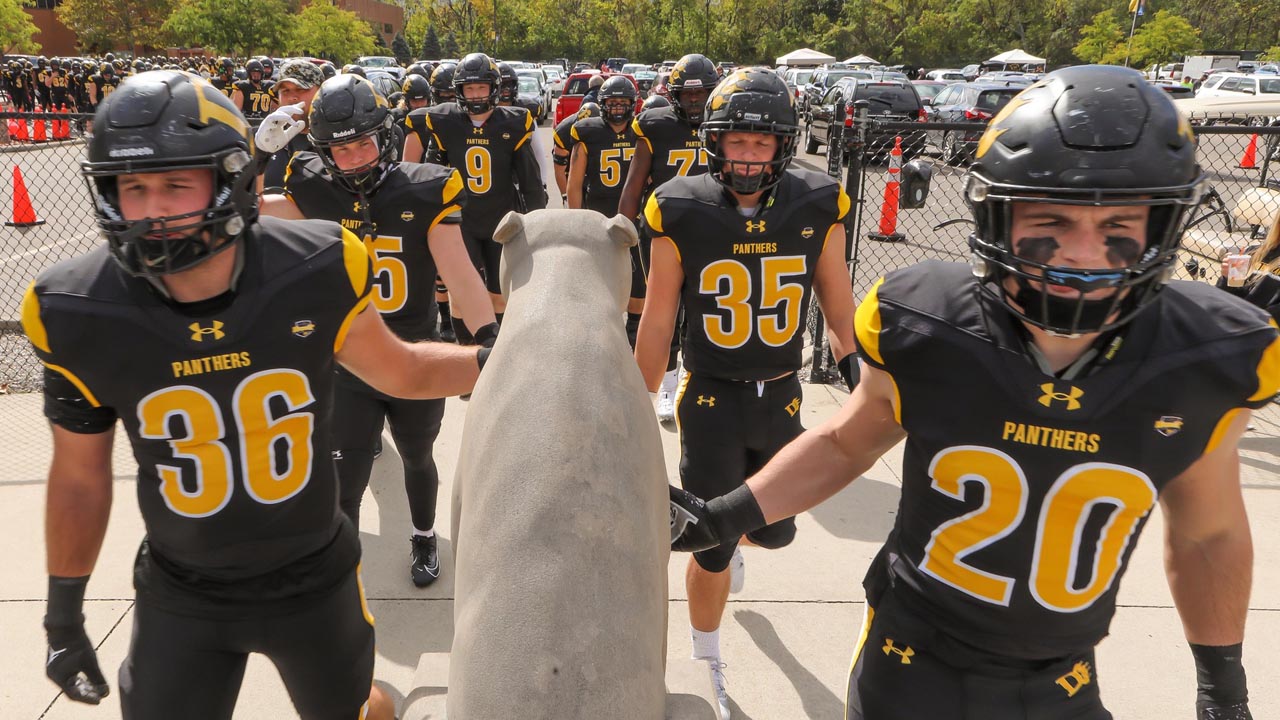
(787, 637)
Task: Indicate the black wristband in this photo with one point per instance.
(850, 370)
(487, 335)
(735, 513)
(1220, 674)
(482, 356)
(66, 601)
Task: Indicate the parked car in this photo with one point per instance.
(1239, 84)
(946, 74)
(382, 62)
(970, 72)
(1231, 109)
(615, 64)
(798, 79)
(645, 79)
(552, 85)
(576, 86)
(659, 86)
(887, 101)
(823, 79)
(529, 96)
(972, 102)
(1174, 89)
(929, 89)
(633, 68)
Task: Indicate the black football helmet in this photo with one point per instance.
(618, 87)
(588, 110)
(754, 100)
(655, 101)
(328, 70)
(227, 67)
(691, 72)
(442, 83)
(108, 70)
(416, 87)
(268, 68)
(477, 68)
(508, 84)
(1090, 135)
(353, 69)
(346, 108)
(160, 121)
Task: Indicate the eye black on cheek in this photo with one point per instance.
(1123, 250)
(1036, 249)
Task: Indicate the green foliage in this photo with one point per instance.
(1100, 37)
(1165, 38)
(16, 28)
(324, 30)
(242, 27)
(400, 48)
(430, 45)
(1271, 55)
(107, 24)
(451, 49)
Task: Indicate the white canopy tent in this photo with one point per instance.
(1015, 60)
(861, 60)
(805, 57)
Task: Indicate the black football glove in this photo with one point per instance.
(487, 335)
(850, 370)
(1222, 692)
(701, 525)
(70, 661)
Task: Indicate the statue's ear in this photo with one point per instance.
(512, 226)
(622, 231)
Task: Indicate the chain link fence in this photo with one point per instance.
(1240, 156)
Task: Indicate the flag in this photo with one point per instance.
(1137, 6)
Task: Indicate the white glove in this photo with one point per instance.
(278, 128)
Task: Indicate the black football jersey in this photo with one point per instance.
(747, 280)
(256, 99)
(228, 87)
(608, 158)
(105, 85)
(226, 407)
(59, 85)
(274, 169)
(674, 144)
(410, 201)
(1023, 494)
(493, 159)
(560, 135)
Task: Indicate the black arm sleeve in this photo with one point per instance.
(1263, 293)
(68, 408)
(529, 176)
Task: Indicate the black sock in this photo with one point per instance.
(498, 316)
(444, 312)
(633, 327)
(461, 332)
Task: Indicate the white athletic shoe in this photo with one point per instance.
(737, 571)
(667, 397)
(718, 687)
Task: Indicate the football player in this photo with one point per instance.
(745, 246)
(490, 146)
(408, 214)
(277, 135)
(508, 85)
(668, 147)
(59, 85)
(253, 95)
(103, 84)
(562, 146)
(212, 335)
(1052, 392)
(417, 138)
(225, 77)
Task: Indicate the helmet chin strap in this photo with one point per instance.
(1061, 311)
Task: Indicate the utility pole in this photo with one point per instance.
(1136, 7)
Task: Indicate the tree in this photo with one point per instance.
(1165, 38)
(400, 48)
(324, 30)
(1272, 54)
(223, 25)
(451, 49)
(431, 45)
(109, 24)
(16, 28)
(1100, 37)
(378, 40)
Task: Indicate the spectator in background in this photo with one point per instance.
(1261, 286)
(593, 89)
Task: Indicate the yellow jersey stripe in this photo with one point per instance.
(653, 214)
(84, 389)
(356, 257)
(452, 187)
(1220, 430)
(449, 210)
(866, 323)
(32, 325)
(1268, 371)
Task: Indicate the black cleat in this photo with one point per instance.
(424, 562)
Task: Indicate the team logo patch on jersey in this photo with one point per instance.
(1076, 679)
(198, 333)
(303, 328)
(904, 653)
(407, 215)
(1169, 425)
(506, 136)
(806, 233)
(1051, 395)
(755, 226)
(793, 407)
(708, 401)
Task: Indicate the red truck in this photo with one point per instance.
(576, 85)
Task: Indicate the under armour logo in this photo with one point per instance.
(904, 653)
(198, 333)
(1071, 397)
(357, 206)
(708, 401)
(756, 226)
(477, 131)
(793, 407)
(1076, 679)
(53, 655)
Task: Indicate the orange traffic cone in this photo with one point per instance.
(889, 208)
(24, 215)
(39, 133)
(61, 125)
(19, 129)
(1249, 160)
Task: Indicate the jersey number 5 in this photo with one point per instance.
(1061, 524)
(734, 329)
(393, 277)
(267, 478)
(611, 165)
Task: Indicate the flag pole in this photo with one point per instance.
(1137, 6)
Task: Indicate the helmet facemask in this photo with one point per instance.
(735, 174)
(618, 110)
(690, 102)
(365, 179)
(480, 105)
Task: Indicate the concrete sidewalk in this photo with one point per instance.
(787, 637)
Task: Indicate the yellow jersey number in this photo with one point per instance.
(1060, 523)
(210, 481)
(611, 165)
(479, 170)
(259, 102)
(392, 276)
(683, 160)
(730, 282)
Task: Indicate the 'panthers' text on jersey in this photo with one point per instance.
(412, 199)
(487, 156)
(256, 99)
(225, 402)
(1023, 493)
(608, 155)
(674, 144)
(747, 280)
